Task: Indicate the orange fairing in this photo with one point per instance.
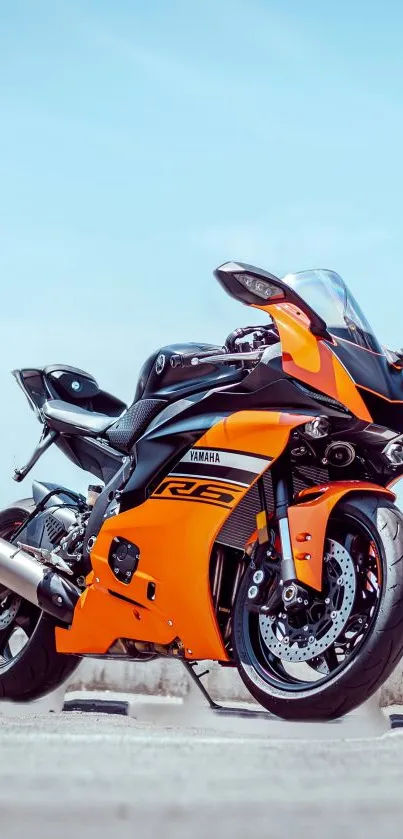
(311, 360)
(308, 522)
(174, 530)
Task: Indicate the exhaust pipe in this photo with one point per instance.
(36, 583)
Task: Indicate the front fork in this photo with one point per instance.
(283, 497)
(302, 525)
(291, 593)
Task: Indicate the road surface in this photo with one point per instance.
(104, 776)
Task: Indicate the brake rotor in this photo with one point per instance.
(9, 606)
(314, 635)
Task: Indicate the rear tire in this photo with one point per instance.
(38, 668)
(375, 657)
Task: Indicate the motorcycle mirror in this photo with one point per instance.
(257, 287)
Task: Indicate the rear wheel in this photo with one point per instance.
(337, 649)
(30, 665)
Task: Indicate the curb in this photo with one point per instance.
(97, 706)
(233, 719)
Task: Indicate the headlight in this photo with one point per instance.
(394, 451)
(318, 427)
(262, 288)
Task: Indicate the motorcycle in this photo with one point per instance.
(244, 510)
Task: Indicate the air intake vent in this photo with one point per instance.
(321, 397)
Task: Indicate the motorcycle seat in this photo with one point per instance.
(72, 419)
(121, 433)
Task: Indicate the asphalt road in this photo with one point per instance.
(102, 776)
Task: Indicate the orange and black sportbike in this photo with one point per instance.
(243, 510)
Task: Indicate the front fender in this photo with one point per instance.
(308, 520)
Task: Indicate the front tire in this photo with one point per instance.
(372, 657)
(30, 666)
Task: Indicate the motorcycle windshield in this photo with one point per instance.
(328, 295)
(379, 383)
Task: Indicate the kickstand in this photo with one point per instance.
(197, 679)
(222, 710)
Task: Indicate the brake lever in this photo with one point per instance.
(254, 355)
(225, 358)
(187, 359)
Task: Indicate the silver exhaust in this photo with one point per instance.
(36, 583)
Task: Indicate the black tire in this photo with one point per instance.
(38, 668)
(382, 647)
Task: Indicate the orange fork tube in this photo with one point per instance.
(308, 521)
(175, 538)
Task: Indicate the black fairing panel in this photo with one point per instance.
(380, 384)
(80, 388)
(69, 384)
(158, 451)
(162, 381)
(371, 370)
(388, 414)
(165, 442)
(91, 455)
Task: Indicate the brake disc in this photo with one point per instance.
(9, 605)
(313, 637)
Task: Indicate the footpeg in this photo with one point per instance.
(46, 557)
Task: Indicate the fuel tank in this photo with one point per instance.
(159, 379)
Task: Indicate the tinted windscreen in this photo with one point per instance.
(329, 296)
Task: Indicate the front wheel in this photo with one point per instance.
(322, 661)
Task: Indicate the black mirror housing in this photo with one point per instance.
(256, 287)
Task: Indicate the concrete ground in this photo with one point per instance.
(102, 776)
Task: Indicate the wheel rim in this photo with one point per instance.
(18, 617)
(301, 663)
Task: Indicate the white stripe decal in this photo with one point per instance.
(207, 478)
(247, 462)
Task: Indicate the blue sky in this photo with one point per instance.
(143, 143)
